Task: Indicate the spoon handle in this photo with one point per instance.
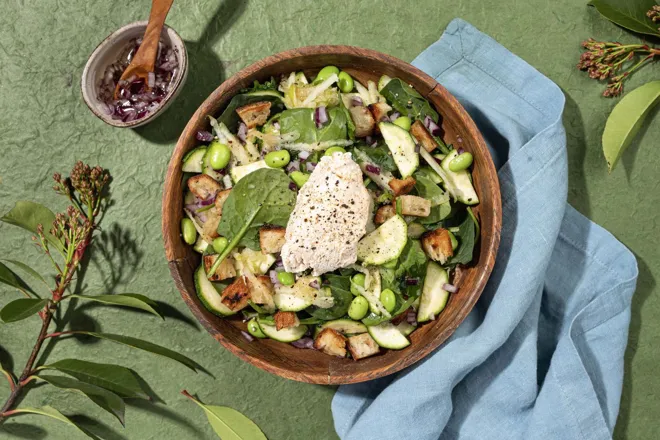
(146, 54)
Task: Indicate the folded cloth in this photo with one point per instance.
(541, 355)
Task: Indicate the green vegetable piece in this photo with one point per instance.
(326, 73)
(357, 280)
(188, 231)
(219, 244)
(626, 119)
(454, 241)
(630, 14)
(388, 299)
(254, 329)
(359, 308)
(299, 178)
(278, 159)
(391, 264)
(403, 122)
(461, 162)
(219, 155)
(332, 150)
(286, 278)
(345, 82)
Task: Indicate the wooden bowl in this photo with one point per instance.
(310, 365)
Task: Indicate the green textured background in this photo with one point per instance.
(45, 127)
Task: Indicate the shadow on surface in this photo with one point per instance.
(576, 147)
(166, 413)
(116, 256)
(23, 430)
(6, 359)
(205, 73)
(97, 427)
(645, 285)
(628, 157)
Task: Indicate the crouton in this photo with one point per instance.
(380, 111)
(203, 186)
(413, 205)
(437, 245)
(271, 239)
(285, 320)
(261, 291)
(220, 200)
(236, 295)
(210, 226)
(401, 187)
(255, 114)
(384, 213)
(362, 346)
(331, 342)
(423, 137)
(364, 122)
(224, 271)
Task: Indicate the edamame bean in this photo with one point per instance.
(388, 299)
(326, 73)
(286, 278)
(299, 178)
(357, 280)
(461, 162)
(358, 308)
(219, 244)
(219, 155)
(254, 329)
(403, 122)
(345, 82)
(277, 159)
(188, 231)
(332, 150)
(454, 241)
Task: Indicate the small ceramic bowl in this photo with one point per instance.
(107, 53)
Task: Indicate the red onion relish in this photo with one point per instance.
(137, 99)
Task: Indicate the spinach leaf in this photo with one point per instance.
(301, 120)
(427, 189)
(467, 236)
(389, 280)
(438, 213)
(340, 286)
(350, 125)
(262, 197)
(229, 116)
(408, 101)
(412, 264)
(380, 156)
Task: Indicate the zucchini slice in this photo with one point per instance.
(385, 243)
(388, 336)
(434, 297)
(192, 162)
(345, 326)
(208, 294)
(289, 334)
(402, 147)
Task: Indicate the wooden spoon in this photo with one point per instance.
(144, 60)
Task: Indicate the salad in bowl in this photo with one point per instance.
(329, 214)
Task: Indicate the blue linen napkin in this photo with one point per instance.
(541, 355)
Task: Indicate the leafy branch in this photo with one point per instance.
(65, 238)
(615, 63)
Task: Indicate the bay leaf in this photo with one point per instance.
(630, 14)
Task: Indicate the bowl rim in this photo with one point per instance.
(178, 82)
(233, 84)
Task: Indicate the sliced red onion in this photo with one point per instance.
(449, 288)
(394, 116)
(411, 317)
(279, 264)
(201, 216)
(304, 155)
(192, 207)
(151, 80)
(460, 151)
(248, 337)
(314, 284)
(242, 132)
(207, 202)
(273, 277)
(204, 136)
(276, 125)
(293, 186)
(432, 127)
(416, 148)
(320, 116)
(306, 343)
(356, 101)
(368, 140)
(459, 140)
(309, 166)
(372, 169)
(294, 165)
(412, 281)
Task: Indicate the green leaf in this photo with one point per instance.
(146, 346)
(427, 189)
(467, 236)
(626, 119)
(107, 400)
(120, 380)
(228, 423)
(630, 14)
(340, 287)
(230, 118)
(28, 215)
(133, 300)
(380, 156)
(49, 411)
(262, 197)
(27, 269)
(407, 101)
(301, 121)
(10, 278)
(21, 309)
